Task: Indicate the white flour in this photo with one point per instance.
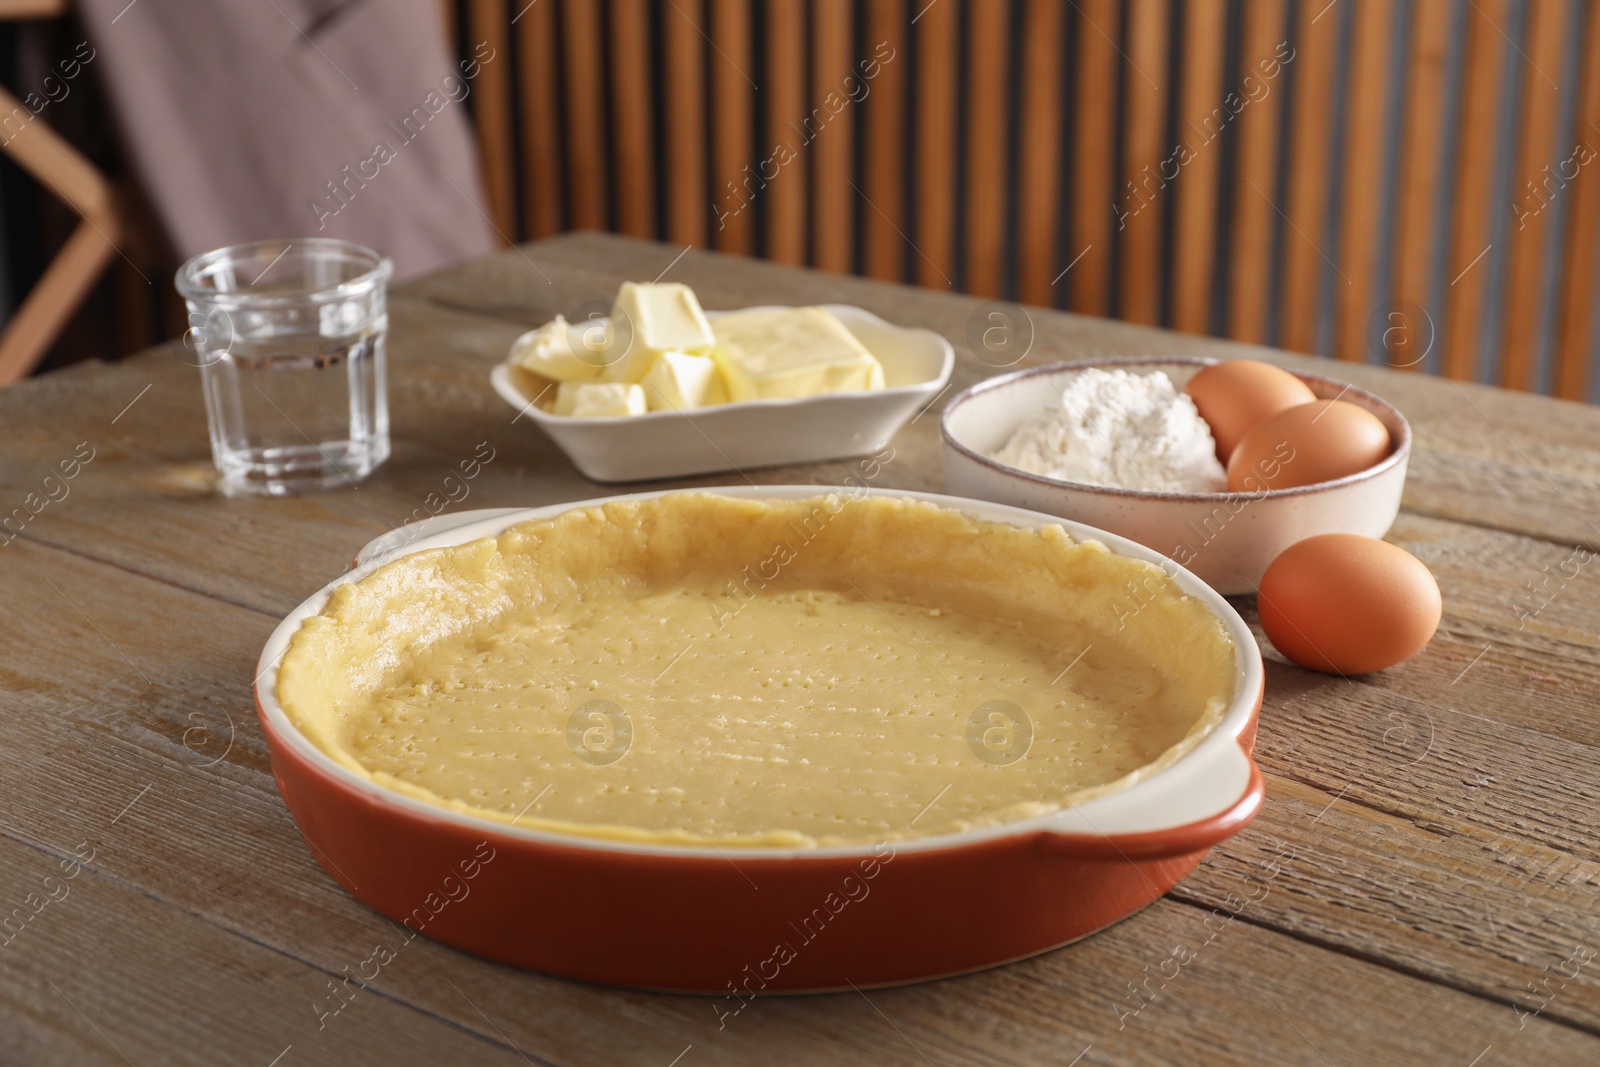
(1117, 428)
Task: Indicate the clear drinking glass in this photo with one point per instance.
(288, 336)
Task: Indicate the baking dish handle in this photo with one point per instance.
(1202, 801)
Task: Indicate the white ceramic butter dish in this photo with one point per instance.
(755, 433)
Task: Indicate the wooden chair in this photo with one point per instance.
(996, 151)
(46, 155)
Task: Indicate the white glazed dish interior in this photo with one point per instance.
(1228, 539)
(755, 433)
(1207, 781)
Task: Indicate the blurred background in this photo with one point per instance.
(1409, 182)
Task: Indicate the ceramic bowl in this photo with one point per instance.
(736, 922)
(751, 433)
(1227, 539)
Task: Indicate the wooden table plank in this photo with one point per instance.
(155, 457)
(106, 973)
(1435, 877)
(1355, 744)
(1521, 462)
(246, 886)
(1470, 911)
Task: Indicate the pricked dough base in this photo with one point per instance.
(697, 669)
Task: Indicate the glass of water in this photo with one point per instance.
(288, 336)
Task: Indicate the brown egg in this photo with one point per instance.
(1346, 604)
(1304, 445)
(1236, 396)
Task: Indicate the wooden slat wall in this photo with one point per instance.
(1576, 324)
(1364, 133)
(828, 134)
(1167, 161)
(1531, 229)
(988, 33)
(785, 196)
(1094, 162)
(487, 22)
(1144, 192)
(1472, 228)
(684, 155)
(632, 139)
(1309, 187)
(1205, 117)
(883, 217)
(1255, 217)
(584, 138)
(542, 159)
(1039, 150)
(1422, 145)
(732, 143)
(938, 77)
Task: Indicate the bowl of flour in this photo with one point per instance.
(1116, 444)
(1128, 429)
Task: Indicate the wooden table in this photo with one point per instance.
(1423, 885)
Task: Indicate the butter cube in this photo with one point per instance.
(678, 381)
(599, 399)
(647, 320)
(791, 352)
(550, 351)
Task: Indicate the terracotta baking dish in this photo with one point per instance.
(742, 921)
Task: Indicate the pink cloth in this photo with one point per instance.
(298, 118)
